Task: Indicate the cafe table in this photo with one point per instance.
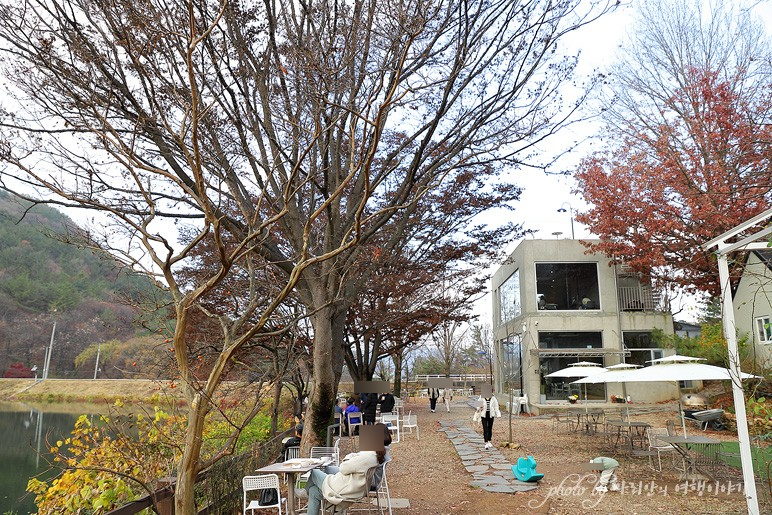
(588, 418)
(634, 433)
(291, 468)
(697, 451)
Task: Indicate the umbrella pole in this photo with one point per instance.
(681, 409)
(627, 406)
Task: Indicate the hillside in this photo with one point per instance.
(45, 281)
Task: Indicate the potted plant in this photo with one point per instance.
(573, 398)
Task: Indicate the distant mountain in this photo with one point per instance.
(43, 279)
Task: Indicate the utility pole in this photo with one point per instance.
(96, 366)
(49, 351)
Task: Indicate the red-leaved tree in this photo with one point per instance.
(664, 192)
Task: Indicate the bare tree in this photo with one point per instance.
(284, 130)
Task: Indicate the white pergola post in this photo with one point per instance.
(743, 436)
(730, 333)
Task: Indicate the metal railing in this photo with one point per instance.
(636, 298)
(218, 489)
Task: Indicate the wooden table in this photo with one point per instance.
(290, 468)
(633, 432)
(693, 460)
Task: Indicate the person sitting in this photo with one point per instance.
(387, 402)
(347, 482)
(293, 441)
(351, 407)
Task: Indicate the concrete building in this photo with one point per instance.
(753, 305)
(554, 304)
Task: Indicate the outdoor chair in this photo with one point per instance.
(521, 403)
(559, 420)
(253, 485)
(323, 452)
(379, 494)
(352, 426)
(290, 454)
(659, 447)
(332, 509)
(409, 422)
(392, 422)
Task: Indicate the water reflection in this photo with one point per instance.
(24, 451)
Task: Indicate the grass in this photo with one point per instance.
(730, 454)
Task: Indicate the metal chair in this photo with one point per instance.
(353, 425)
(410, 422)
(660, 447)
(328, 507)
(563, 420)
(257, 484)
(392, 422)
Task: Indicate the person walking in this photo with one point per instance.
(447, 396)
(434, 394)
(487, 409)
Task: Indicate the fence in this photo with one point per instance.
(218, 489)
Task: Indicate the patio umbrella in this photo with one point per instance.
(580, 369)
(669, 369)
(614, 371)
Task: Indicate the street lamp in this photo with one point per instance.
(571, 214)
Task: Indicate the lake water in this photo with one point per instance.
(23, 434)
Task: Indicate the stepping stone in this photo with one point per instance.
(468, 463)
(504, 473)
(477, 468)
(491, 480)
(506, 489)
(471, 456)
(502, 466)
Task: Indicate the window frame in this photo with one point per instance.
(763, 329)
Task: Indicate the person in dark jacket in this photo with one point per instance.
(369, 408)
(386, 401)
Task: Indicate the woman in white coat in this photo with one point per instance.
(487, 409)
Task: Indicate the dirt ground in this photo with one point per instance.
(429, 473)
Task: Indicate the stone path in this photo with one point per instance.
(489, 468)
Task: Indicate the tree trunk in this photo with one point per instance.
(275, 411)
(188, 467)
(328, 358)
(397, 359)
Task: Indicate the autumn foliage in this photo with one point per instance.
(667, 190)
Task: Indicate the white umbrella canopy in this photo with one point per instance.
(612, 373)
(669, 369)
(580, 369)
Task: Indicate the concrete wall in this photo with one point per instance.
(753, 299)
(608, 320)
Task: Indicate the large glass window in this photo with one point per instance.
(559, 388)
(509, 298)
(567, 286)
(570, 340)
(642, 348)
(764, 330)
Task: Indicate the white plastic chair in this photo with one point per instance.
(409, 422)
(392, 422)
(353, 425)
(522, 401)
(258, 483)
